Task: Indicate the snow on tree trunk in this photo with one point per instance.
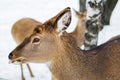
(93, 23)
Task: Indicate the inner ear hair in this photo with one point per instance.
(67, 23)
(64, 20)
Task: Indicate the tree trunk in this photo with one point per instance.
(109, 6)
(99, 13)
(82, 5)
(93, 22)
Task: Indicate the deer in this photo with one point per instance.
(24, 27)
(20, 30)
(52, 44)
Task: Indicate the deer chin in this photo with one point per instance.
(18, 61)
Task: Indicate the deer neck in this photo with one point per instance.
(79, 34)
(65, 65)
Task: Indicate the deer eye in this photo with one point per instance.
(35, 40)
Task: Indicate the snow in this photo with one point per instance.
(41, 10)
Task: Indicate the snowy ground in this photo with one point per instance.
(41, 10)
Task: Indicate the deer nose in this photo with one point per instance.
(10, 55)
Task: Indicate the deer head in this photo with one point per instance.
(46, 41)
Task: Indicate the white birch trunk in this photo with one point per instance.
(93, 22)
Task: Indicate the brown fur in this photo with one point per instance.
(23, 28)
(66, 60)
(20, 30)
(79, 32)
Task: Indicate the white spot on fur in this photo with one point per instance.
(17, 63)
(60, 33)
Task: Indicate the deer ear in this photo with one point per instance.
(63, 20)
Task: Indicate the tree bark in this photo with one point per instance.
(109, 6)
(93, 22)
(82, 5)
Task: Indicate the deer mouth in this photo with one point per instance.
(18, 61)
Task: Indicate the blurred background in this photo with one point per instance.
(41, 10)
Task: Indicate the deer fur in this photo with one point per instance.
(23, 28)
(20, 30)
(66, 60)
